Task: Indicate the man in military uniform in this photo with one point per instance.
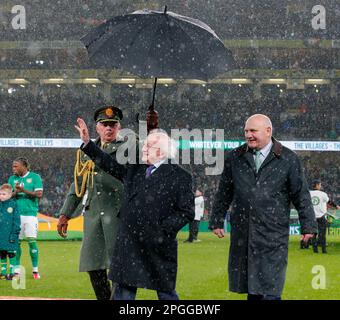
(98, 195)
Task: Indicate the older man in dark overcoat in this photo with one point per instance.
(158, 202)
(260, 180)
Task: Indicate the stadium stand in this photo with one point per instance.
(232, 19)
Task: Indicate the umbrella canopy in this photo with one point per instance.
(159, 44)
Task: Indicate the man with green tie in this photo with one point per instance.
(259, 181)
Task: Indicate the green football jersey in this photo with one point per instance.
(31, 181)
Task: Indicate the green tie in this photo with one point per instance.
(257, 160)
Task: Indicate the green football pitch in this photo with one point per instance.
(202, 272)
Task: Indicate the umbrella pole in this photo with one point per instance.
(152, 115)
(153, 95)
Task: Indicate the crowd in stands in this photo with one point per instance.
(262, 19)
(70, 20)
(52, 112)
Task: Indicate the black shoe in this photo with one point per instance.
(324, 251)
(9, 276)
(315, 250)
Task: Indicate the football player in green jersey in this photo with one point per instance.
(27, 190)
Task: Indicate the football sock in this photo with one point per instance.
(3, 266)
(34, 253)
(18, 257)
(12, 263)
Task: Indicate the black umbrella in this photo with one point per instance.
(158, 44)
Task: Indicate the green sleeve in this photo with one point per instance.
(38, 185)
(72, 206)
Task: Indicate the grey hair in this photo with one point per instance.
(169, 149)
(264, 118)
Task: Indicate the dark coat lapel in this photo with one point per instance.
(262, 171)
(275, 153)
(244, 152)
(250, 159)
(269, 158)
(137, 180)
(141, 183)
(159, 175)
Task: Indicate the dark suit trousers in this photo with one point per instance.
(100, 284)
(258, 297)
(321, 237)
(122, 292)
(193, 230)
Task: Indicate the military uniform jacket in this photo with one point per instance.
(100, 208)
(260, 211)
(9, 225)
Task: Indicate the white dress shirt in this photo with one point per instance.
(264, 151)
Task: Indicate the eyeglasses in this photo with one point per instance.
(147, 146)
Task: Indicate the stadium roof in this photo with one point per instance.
(65, 62)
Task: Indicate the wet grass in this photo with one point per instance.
(202, 272)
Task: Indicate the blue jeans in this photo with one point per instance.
(122, 292)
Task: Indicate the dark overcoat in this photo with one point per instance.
(260, 210)
(152, 213)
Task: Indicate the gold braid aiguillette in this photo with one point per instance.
(84, 170)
